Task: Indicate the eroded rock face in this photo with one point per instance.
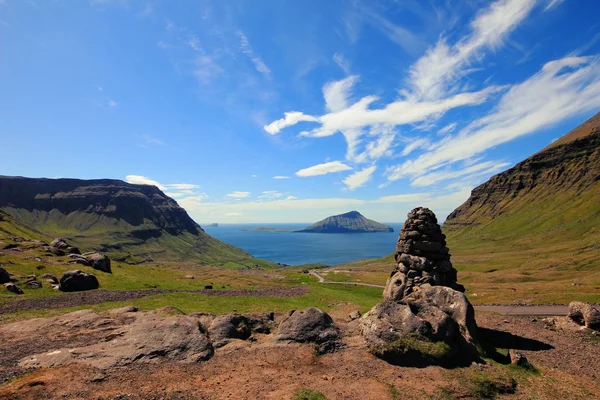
(584, 314)
(422, 257)
(146, 338)
(76, 281)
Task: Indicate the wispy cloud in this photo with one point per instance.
(359, 178)
(281, 177)
(433, 76)
(447, 129)
(552, 4)
(322, 169)
(238, 195)
(342, 62)
(183, 186)
(246, 48)
(561, 89)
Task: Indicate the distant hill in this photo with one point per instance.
(541, 215)
(132, 223)
(350, 222)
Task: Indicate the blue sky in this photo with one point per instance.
(290, 111)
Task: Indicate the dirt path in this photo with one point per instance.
(517, 309)
(322, 280)
(101, 296)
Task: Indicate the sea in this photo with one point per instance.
(306, 248)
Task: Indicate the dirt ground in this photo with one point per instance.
(569, 366)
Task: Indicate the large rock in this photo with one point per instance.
(226, 327)
(147, 338)
(54, 250)
(434, 313)
(76, 281)
(310, 325)
(11, 287)
(4, 276)
(584, 314)
(60, 243)
(99, 261)
(422, 257)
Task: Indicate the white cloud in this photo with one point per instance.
(270, 195)
(447, 129)
(281, 177)
(485, 168)
(247, 49)
(342, 62)
(433, 76)
(233, 214)
(238, 195)
(291, 198)
(183, 186)
(290, 118)
(336, 93)
(561, 89)
(111, 103)
(322, 169)
(194, 43)
(143, 180)
(415, 144)
(359, 178)
(254, 176)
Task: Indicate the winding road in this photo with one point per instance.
(544, 310)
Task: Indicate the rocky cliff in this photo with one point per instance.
(133, 223)
(141, 206)
(571, 165)
(350, 222)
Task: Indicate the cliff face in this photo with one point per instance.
(136, 205)
(132, 223)
(351, 222)
(557, 172)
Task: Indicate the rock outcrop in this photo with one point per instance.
(76, 281)
(350, 222)
(584, 314)
(422, 257)
(424, 313)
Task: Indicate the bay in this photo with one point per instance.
(306, 248)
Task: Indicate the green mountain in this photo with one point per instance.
(539, 219)
(131, 223)
(350, 222)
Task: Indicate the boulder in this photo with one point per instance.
(226, 327)
(73, 250)
(34, 284)
(310, 325)
(4, 276)
(432, 315)
(50, 278)
(517, 358)
(54, 251)
(584, 314)
(75, 281)
(60, 243)
(354, 315)
(11, 287)
(99, 261)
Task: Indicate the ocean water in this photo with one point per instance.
(306, 248)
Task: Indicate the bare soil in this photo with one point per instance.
(568, 362)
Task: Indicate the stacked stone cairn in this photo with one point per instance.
(422, 257)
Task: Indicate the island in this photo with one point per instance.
(214, 225)
(350, 222)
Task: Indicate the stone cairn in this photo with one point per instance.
(422, 257)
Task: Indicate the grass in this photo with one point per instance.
(307, 394)
(412, 349)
